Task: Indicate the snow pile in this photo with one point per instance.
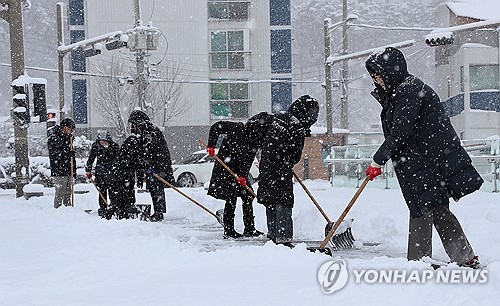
(67, 257)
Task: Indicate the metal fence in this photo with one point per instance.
(348, 163)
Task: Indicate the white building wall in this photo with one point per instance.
(183, 25)
(186, 27)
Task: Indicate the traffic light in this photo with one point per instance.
(117, 43)
(439, 39)
(39, 102)
(51, 120)
(21, 105)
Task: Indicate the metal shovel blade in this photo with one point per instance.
(220, 216)
(343, 239)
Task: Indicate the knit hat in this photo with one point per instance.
(68, 122)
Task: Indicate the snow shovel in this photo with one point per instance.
(329, 224)
(219, 219)
(343, 240)
(98, 191)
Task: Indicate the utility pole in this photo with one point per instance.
(14, 17)
(328, 83)
(60, 57)
(140, 57)
(344, 79)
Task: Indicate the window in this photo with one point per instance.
(79, 101)
(228, 10)
(77, 57)
(281, 95)
(482, 77)
(227, 50)
(229, 100)
(281, 51)
(75, 12)
(279, 11)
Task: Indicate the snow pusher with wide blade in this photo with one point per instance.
(343, 239)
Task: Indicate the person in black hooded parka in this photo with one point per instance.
(126, 165)
(156, 159)
(238, 149)
(104, 150)
(282, 147)
(429, 161)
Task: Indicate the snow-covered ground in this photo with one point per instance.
(68, 257)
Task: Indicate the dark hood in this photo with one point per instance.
(305, 109)
(390, 64)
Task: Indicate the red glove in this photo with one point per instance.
(242, 181)
(211, 151)
(88, 175)
(373, 171)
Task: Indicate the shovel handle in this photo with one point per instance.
(185, 195)
(250, 190)
(344, 213)
(100, 193)
(311, 196)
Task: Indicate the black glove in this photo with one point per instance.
(140, 183)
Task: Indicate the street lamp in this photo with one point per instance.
(328, 28)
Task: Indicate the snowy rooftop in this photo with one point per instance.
(478, 9)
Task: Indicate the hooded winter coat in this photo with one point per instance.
(281, 150)
(123, 173)
(429, 161)
(156, 153)
(237, 154)
(60, 153)
(105, 157)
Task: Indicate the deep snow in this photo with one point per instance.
(67, 257)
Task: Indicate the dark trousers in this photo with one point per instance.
(279, 223)
(157, 193)
(229, 212)
(450, 231)
(122, 200)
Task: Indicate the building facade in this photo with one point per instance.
(467, 70)
(226, 60)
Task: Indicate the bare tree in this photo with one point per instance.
(113, 97)
(165, 96)
(116, 95)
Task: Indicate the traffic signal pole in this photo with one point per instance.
(14, 17)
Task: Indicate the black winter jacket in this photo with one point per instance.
(155, 153)
(281, 149)
(429, 161)
(105, 158)
(122, 175)
(60, 153)
(236, 152)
